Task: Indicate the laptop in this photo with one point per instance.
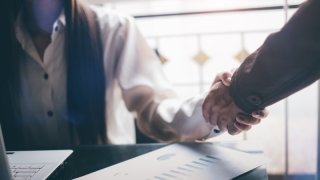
(33, 165)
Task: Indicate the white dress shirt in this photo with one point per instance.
(137, 88)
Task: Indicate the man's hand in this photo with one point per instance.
(220, 110)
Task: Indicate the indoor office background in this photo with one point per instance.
(198, 38)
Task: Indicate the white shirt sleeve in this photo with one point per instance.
(146, 91)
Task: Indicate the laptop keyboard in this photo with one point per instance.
(24, 171)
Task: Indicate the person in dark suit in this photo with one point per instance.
(287, 61)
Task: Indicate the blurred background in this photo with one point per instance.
(198, 38)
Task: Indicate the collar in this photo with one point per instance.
(25, 40)
(62, 18)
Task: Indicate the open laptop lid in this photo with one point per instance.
(4, 167)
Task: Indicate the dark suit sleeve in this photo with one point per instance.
(288, 61)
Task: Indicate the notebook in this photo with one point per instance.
(205, 161)
(33, 165)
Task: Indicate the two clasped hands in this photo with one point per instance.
(220, 110)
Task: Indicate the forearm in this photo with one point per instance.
(288, 61)
(171, 119)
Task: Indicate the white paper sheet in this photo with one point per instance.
(203, 161)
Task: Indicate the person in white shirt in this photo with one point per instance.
(73, 76)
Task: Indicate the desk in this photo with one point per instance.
(87, 159)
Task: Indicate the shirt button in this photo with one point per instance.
(254, 100)
(50, 113)
(46, 76)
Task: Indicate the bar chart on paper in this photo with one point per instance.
(183, 161)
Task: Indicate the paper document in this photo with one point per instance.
(203, 161)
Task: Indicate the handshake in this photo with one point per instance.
(220, 110)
